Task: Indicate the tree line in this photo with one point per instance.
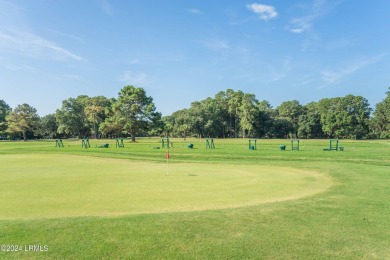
(230, 114)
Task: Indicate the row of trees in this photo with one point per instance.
(229, 114)
(237, 114)
(132, 113)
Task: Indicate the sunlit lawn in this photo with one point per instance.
(228, 202)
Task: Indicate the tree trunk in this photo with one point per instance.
(133, 137)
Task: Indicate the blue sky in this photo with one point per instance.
(181, 51)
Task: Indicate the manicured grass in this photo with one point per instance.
(54, 186)
(349, 219)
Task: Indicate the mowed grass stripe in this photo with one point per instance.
(55, 186)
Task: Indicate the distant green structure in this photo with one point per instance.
(295, 144)
(190, 146)
(85, 143)
(282, 147)
(59, 143)
(119, 143)
(333, 145)
(210, 144)
(252, 144)
(165, 143)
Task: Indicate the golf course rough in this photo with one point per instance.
(57, 185)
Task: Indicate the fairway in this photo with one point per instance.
(53, 186)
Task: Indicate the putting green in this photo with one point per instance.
(51, 186)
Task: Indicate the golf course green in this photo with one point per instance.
(52, 186)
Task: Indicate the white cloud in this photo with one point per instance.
(195, 11)
(302, 24)
(265, 12)
(315, 10)
(300, 30)
(129, 77)
(17, 37)
(34, 46)
(336, 75)
(216, 45)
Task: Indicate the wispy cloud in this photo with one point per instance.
(70, 36)
(304, 23)
(130, 77)
(332, 76)
(265, 12)
(31, 45)
(17, 37)
(216, 45)
(311, 40)
(282, 70)
(303, 80)
(105, 6)
(195, 11)
(29, 69)
(340, 43)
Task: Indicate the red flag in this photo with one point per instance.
(167, 155)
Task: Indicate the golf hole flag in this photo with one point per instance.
(167, 155)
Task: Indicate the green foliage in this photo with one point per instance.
(78, 116)
(5, 109)
(47, 126)
(237, 114)
(290, 111)
(248, 113)
(345, 117)
(111, 127)
(267, 116)
(135, 111)
(22, 119)
(168, 123)
(229, 114)
(71, 117)
(310, 122)
(380, 123)
(95, 111)
(282, 127)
